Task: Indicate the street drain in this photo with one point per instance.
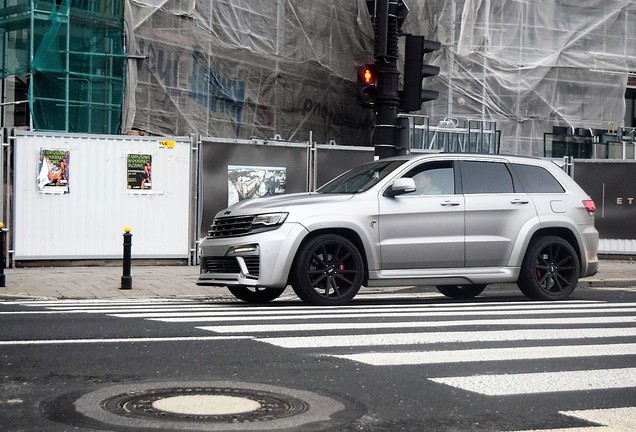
(214, 404)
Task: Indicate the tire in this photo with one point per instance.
(461, 292)
(550, 269)
(256, 295)
(328, 270)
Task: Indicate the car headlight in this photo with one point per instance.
(269, 220)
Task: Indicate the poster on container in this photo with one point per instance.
(53, 171)
(139, 173)
(246, 182)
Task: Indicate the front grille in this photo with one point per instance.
(230, 265)
(231, 226)
(220, 265)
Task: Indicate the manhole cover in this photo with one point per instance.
(218, 404)
(205, 406)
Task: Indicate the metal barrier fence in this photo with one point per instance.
(198, 177)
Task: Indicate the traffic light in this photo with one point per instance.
(367, 84)
(415, 71)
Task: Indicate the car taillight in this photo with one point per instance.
(589, 206)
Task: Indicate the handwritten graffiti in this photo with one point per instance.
(335, 118)
(162, 64)
(218, 93)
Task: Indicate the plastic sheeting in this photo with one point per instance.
(251, 68)
(530, 65)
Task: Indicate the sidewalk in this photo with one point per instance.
(176, 281)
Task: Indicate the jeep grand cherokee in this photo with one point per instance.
(455, 221)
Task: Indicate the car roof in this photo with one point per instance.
(471, 156)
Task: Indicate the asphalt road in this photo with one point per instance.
(423, 363)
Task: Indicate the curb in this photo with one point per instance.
(606, 283)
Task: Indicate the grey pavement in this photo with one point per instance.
(178, 281)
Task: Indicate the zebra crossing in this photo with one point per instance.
(432, 333)
(398, 334)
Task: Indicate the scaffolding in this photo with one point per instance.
(66, 60)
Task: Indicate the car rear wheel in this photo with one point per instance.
(256, 295)
(550, 269)
(328, 270)
(461, 292)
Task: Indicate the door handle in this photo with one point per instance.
(519, 201)
(450, 203)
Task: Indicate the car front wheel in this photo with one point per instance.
(328, 270)
(256, 295)
(461, 292)
(550, 269)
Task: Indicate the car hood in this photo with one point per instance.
(282, 203)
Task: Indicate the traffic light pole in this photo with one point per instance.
(378, 84)
(387, 103)
(387, 100)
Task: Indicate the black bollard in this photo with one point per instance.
(3, 243)
(126, 279)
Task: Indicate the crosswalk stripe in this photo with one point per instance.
(610, 420)
(387, 339)
(97, 302)
(489, 354)
(304, 327)
(34, 342)
(194, 307)
(448, 302)
(545, 382)
(211, 317)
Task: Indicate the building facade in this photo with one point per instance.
(249, 68)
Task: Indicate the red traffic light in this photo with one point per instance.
(367, 84)
(368, 77)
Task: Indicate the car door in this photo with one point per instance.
(425, 228)
(496, 210)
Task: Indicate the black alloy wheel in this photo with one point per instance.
(255, 294)
(461, 292)
(550, 269)
(328, 270)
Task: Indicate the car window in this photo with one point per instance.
(361, 178)
(486, 177)
(536, 179)
(433, 178)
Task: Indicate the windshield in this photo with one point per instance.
(360, 179)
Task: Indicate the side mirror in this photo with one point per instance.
(401, 186)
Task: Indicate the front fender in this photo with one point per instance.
(365, 228)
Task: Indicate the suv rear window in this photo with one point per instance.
(535, 179)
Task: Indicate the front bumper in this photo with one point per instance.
(263, 259)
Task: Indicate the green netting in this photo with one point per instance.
(78, 66)
(78, 69)
(19, 21)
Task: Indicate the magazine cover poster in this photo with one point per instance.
(139, 169)
(245, 182)
(53, 171)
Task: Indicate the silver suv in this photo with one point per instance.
(455, 221)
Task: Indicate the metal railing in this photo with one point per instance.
(471, 136)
